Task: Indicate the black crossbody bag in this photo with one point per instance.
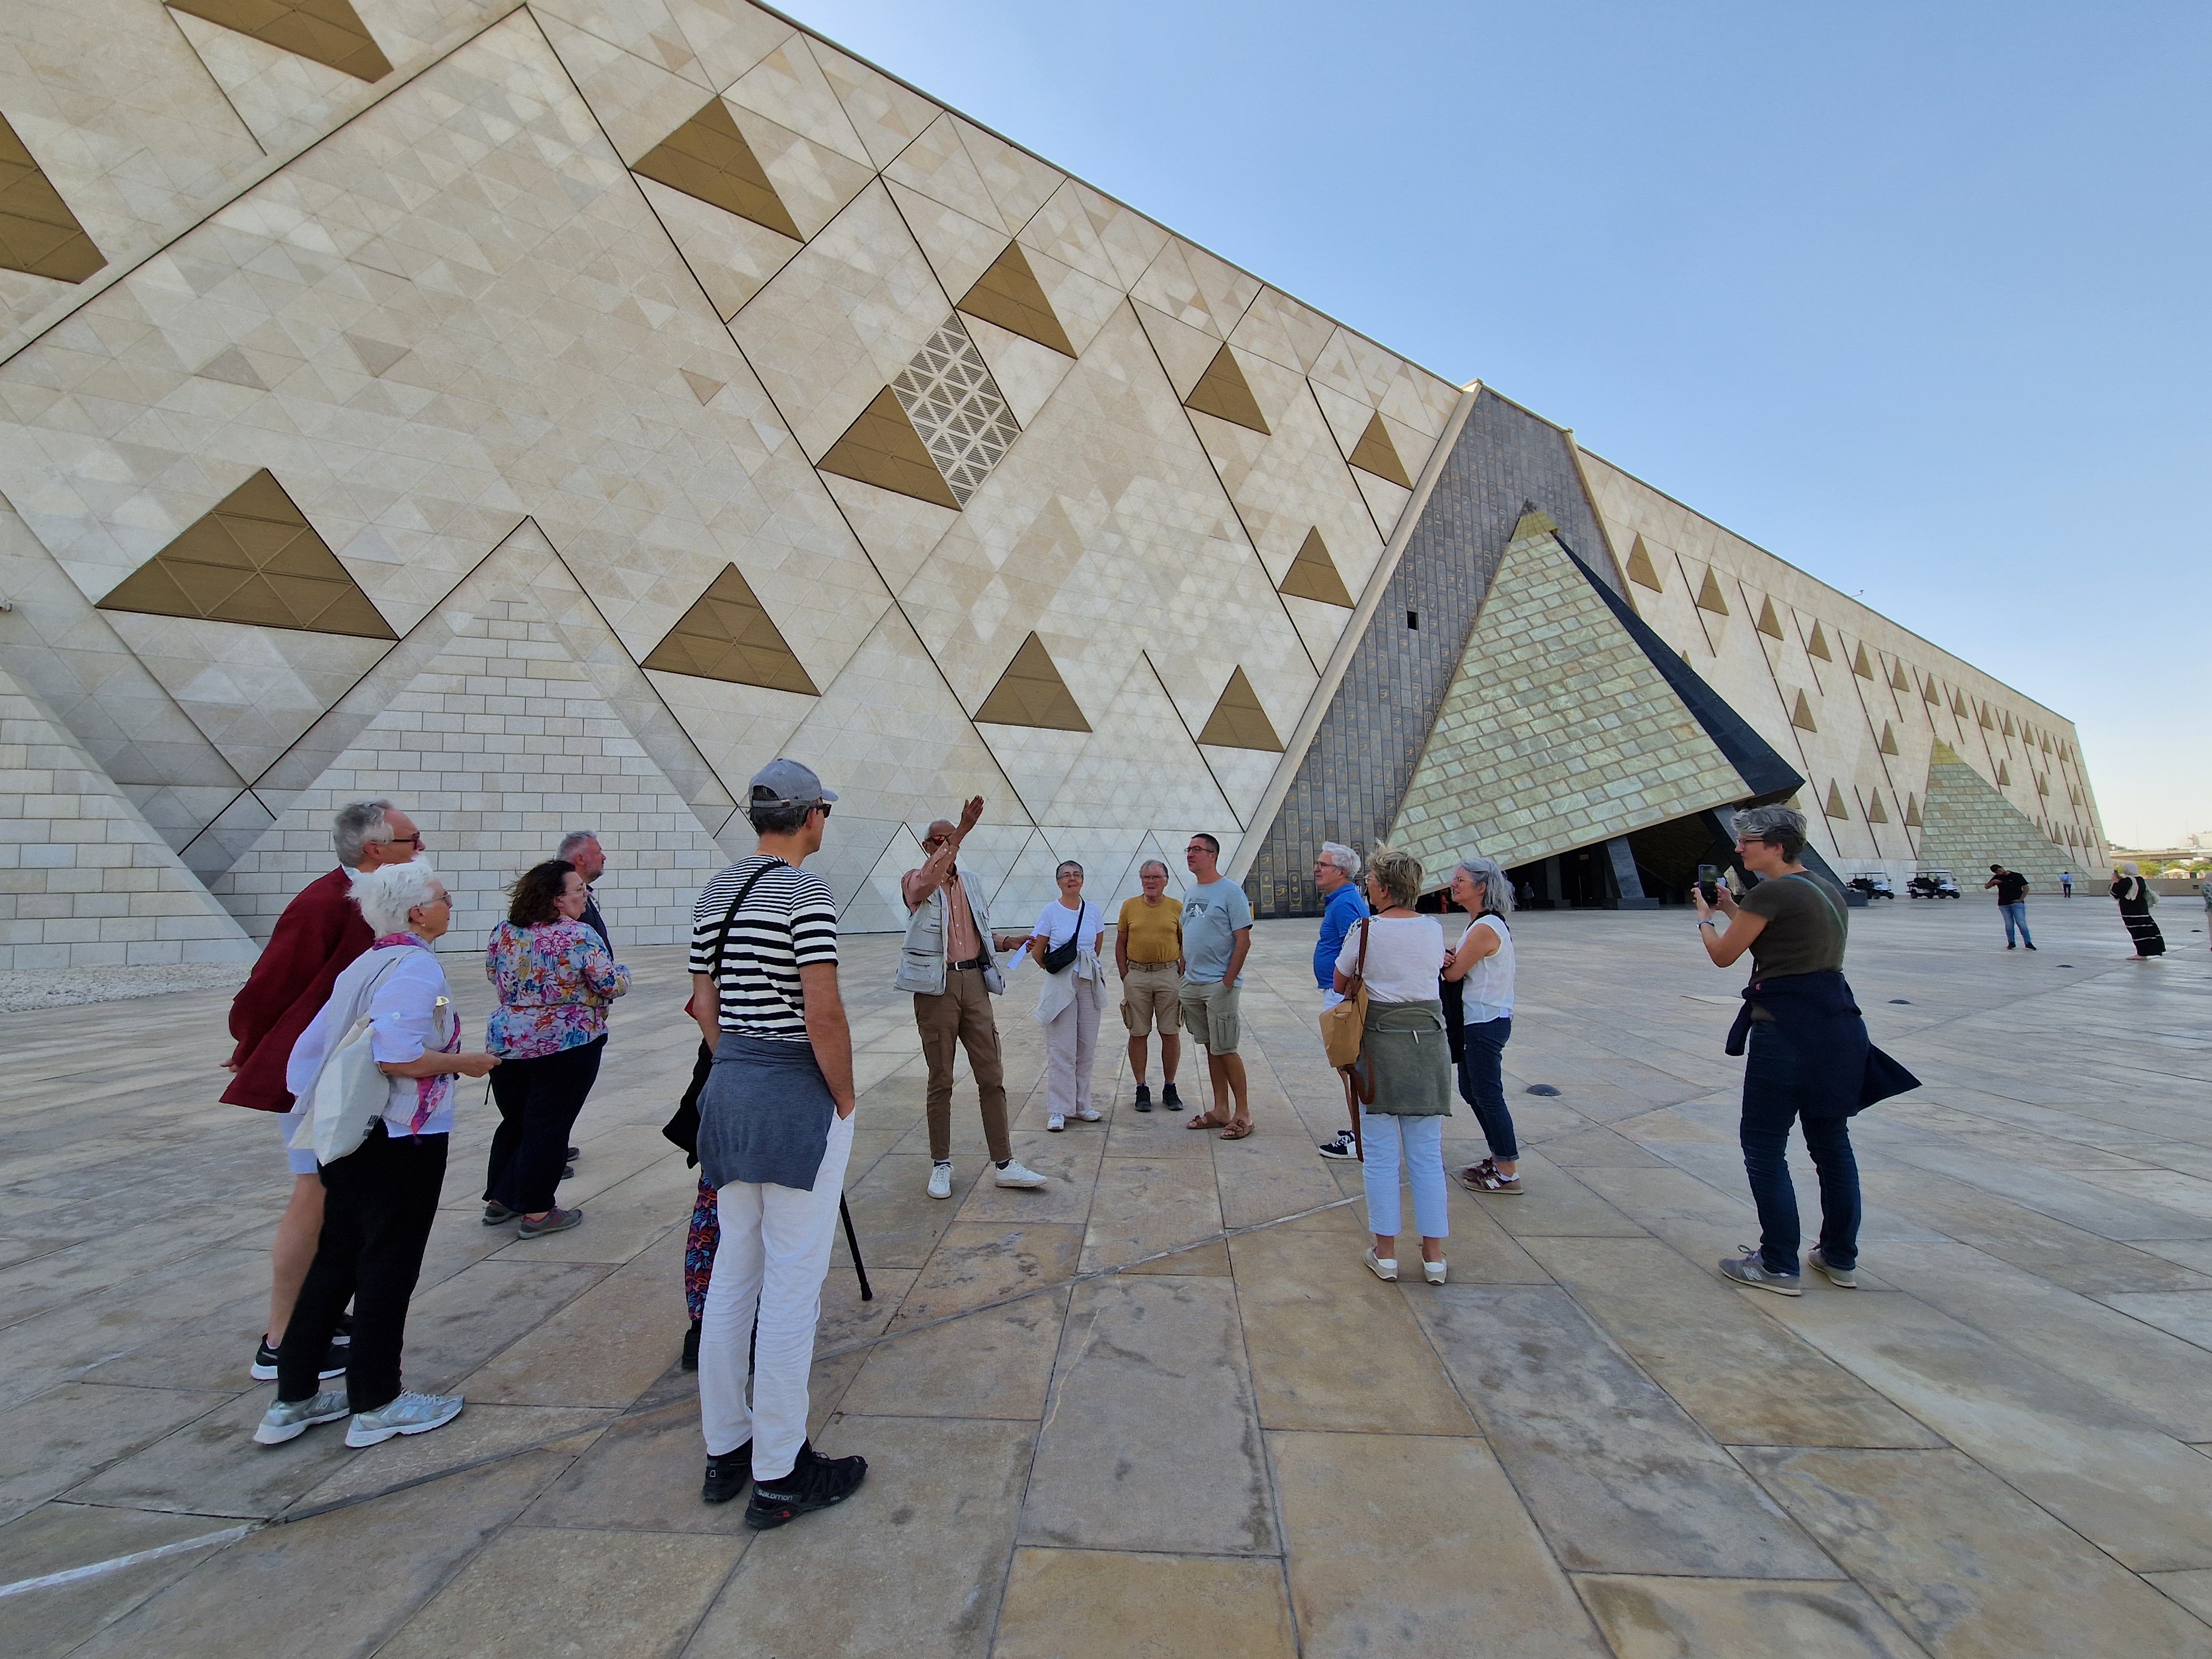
(1057, 958)
(683, 1128)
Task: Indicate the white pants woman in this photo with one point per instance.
(1069, 1004)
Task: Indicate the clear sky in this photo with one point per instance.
(1915, 297)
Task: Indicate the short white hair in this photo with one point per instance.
(572, 842)
(1336, 853)
(386, 896)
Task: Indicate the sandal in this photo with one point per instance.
(1206, 1121)
(1237, 1128)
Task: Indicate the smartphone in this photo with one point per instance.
(1709, 878)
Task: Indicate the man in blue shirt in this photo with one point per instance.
(1336, 873)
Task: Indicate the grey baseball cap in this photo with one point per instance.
(788, 783)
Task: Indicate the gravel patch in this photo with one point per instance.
(24, 988)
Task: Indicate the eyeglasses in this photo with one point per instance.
(414, 841)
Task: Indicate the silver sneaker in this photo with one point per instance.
(940, 1180)
(1019, 1174)
(1845, 1278)
(1088, 1115)
(1748, 1269)
(1055, 1122)
(287, 1419)
(411, 1414)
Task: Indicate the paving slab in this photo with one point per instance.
(1687, 1618)
(1109, 1604)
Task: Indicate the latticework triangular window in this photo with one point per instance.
(252, 558)
(1860, 665)
(1009, 294)
(1835, 807)
(1801, 715)
(709, 158)
(727, 636)
(1238, 721)
(1642, 571)
(1769, 624)
(328, 32)
(1875, 812)
(1912, 811)
(1888, 744)
(1224, 392)
(1031, 693)
(1376, 453)
(1709, 596)
(1818, 645)
(39, 234)
(1313, 573)
(882, 448)
(956, 409)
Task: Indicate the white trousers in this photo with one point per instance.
(1071, 1041)
(774, 1253)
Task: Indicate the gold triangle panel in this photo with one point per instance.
(1835, 808)
(328, 32)
(1313, 573)
(1888, 744)
(1009, 294)
(728, 635)
(1912, 812)
(1709, 596)
(1861, 666)
(1376, 453)
(252, 558)
(1768, 623)
(39, 234)
(1031, 693)
(1642, 571)
(1818, 645)
(1875, 812)
(1802, 716)
(1898, 679)
(1535, 522)
(1238, 721)
(1223, 391)
(709, 158)
(882, 448)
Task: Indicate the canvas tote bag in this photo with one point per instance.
(350, 1093)
(1344, 1028)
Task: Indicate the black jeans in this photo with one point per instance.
(1771, 1075)
(539, 1100)
(378, 1204)
(1482, 1082)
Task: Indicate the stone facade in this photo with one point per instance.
(1968, 825)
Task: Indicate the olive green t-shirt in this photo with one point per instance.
(1805, 925)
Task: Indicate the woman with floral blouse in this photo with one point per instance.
(555, 980)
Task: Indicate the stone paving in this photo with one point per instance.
(1160, 1408)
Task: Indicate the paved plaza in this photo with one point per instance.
(1159, 1407)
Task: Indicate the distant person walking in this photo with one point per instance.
(1407, 1059)
(381, 1197)
(2066, 884)
(2136, 901)
(2012, 901)
(948, 962)
(1810, 1062)
(1481, 965)
(1336, 878)
(1217, 937)
(1071, 999)
(775, 1131)
(319, 934)
(556, 978)
(1148, 957)
(582, 848)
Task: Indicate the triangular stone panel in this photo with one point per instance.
(1376, 453)
(1223, 391)
(1768, 623)
(709, 158)
(1800, 714)
(1313, 574)
(727, 636)
(882, 448)
(1967, 824)
(1817, 645)
(1709, 596)
(326, 32)
(252, 558)
(1238, 721)
(1642, 571)
(39, 234)
(1008, 294)
(1032, 693)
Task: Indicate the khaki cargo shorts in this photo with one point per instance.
(1151, 993)
(1209, 1014)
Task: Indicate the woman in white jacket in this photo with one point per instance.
(1068, 1007)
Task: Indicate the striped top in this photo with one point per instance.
(789, 920)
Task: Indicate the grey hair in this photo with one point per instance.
(1151, 864)
(1497, 890)
(386, 896)
(1781, 826)
(1064, 866)
(574, 840)
(1398, 874)
(359, 822)
(1336, 853)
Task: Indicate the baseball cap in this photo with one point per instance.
(788, 783)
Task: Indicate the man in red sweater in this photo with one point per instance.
(320, 932)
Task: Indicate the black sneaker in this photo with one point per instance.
(1169, 1100)
(727, 1475)
(2031, 947)
(1342, 1148)
(815, 1483)
(1143, 1096)
(691, 1351)
(574, 1153)
(264, 1369)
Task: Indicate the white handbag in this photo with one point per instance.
(350, 1092)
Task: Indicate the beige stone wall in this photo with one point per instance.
(1863, 741)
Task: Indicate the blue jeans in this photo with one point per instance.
(1482, 1084)
(1771, 1080)
(1421, 1141)
(2015, 915)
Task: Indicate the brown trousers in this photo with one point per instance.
(962, 1014)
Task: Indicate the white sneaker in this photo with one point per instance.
(1019, 1174)
(940, 1180)
(1433, 1272)
(1383, 1267)
(1056, 1122)
(411, 1413)
(1088, 1115)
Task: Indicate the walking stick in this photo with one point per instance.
(1352, 1104)
(851, 1243)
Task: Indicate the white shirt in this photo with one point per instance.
(1056, 923)
(407, 1015)
(1405, 954)
(1488, 987)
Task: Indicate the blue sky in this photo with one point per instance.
(1914, 296)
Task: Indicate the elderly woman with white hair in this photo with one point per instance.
(1481, 965)
(1065, 943)
(379, 1199)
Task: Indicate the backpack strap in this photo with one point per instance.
(730, 921)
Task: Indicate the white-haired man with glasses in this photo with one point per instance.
(1336, 878)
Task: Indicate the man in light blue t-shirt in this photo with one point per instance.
(1217, 937)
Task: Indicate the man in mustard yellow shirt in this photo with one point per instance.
(1148, 955)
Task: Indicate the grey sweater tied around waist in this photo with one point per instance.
(1410, 1058)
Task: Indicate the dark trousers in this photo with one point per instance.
(1482, 1084)
(378, 1204)
(1770, 1081)
(539, 1100)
